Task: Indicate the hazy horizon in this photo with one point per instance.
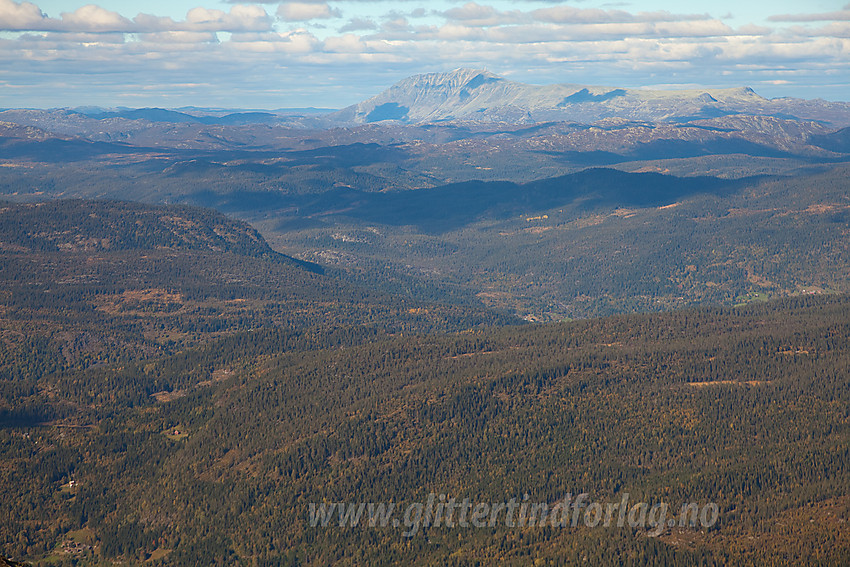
(318, 110)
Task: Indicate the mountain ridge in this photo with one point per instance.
(478, 95)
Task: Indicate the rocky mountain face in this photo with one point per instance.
(480, 96)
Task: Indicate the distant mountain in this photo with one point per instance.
(480, 96)
(157, 127)
(198, 115)
(24, 141)
(175, 117)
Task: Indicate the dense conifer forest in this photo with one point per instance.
(174, 392)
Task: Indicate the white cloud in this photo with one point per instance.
(348, 43)
(842, 15)
(95, 19)
(23, 16)
(240, 18)
(149, 22)
(68, 40)
(306, 11)
(833, 29)
(358, 24)
(571, 15)
(178, 37)
(397, 25)
(473, 14)
(92, 18)
(26, 16)
(294, 41)
(545, 33)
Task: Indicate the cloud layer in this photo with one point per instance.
(330, 54)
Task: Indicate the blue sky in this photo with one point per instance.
(333, 53)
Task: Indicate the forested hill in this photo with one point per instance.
(89, 226)
(83, 283)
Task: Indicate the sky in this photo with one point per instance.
(329, 54)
